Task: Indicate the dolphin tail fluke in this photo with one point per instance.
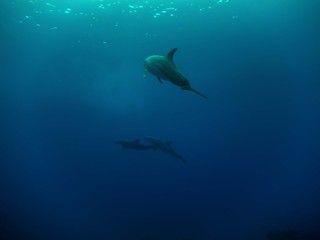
(189, 88)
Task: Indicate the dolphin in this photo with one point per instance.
(135, 145)
(164, 68)
(164, 147)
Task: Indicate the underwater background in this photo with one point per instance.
(72, 84)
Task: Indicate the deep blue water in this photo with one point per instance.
(72, 84)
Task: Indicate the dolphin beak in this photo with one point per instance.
(189, 88)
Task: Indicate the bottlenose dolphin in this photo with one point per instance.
(164, 68)
(164, 147)
(135, 145)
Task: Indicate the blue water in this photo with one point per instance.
(72, 84)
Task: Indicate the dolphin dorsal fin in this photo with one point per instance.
(171, 53)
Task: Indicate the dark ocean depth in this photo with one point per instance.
(243, 164)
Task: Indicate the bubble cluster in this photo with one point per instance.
(149, 8)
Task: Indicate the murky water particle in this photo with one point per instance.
(68, 10)
(50, 5)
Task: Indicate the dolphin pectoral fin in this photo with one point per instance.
(159, 79)
(189, 88)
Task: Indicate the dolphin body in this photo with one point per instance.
(164, 147)
(164, 68)
(135, 145)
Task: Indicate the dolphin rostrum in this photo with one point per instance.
(164, 147)
(135, 145)
(164, 68)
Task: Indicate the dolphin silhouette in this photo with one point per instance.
(164, 147)
(135, 145)
(164, 68)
